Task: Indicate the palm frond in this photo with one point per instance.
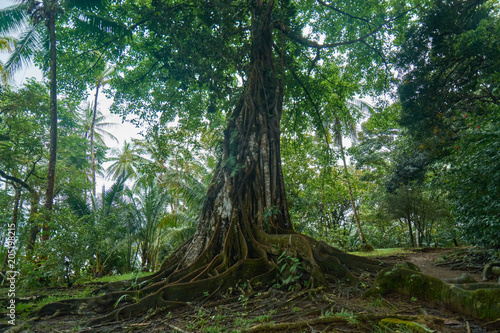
(29, 43)
(110, 196)
(185, 186)
(85, 4)
(13, 18)
(362, 106)
(125, 161)
(98, 24)
(178, 235)
(177, 219)
(100, 124)
(4, 76)
(78, 205)
(7, 44)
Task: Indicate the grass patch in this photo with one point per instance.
(127, 276)
(383, 252)
(25, 308)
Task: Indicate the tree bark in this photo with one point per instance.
(92, 144)
(248, 183)
(51, 173)
(35, 201)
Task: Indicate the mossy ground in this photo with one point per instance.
(340, 309)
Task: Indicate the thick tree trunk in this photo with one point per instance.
(244, 225)
(51, 173)
(248, 184)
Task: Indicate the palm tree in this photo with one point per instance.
(6, 45)
(101, 80)
(188, 184)
(149, 203)
(37, 19)
(94, 126)
(104, 216)
(126, 161)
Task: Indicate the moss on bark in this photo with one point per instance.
(480, 303)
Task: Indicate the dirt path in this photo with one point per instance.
(426, 262)
(426, 259)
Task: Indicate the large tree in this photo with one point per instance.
(263, 57)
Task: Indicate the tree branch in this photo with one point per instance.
(344, 13)
(308, 96)
(314, 61)
(309, 43)
(17, 181)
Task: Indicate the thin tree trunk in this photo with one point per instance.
(364, 243)
(92, 144)
(51, 174)
(35, 201)
(136, 252)
(144, 255)
(129, 254)
(410, 229)
(32, 220)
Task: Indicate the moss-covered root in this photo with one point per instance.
(366, 247)
(480, 303)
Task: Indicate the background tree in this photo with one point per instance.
(450, 101)
(317, 195)
(38, 21)
(95, 129)
(149, 204)
(25, 123)
(6, 45)
(126, 161)
(101, 80)
(365, 246)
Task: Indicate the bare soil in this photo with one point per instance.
(340, 309)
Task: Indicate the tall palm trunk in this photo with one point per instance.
(51, 174)
(92, 144)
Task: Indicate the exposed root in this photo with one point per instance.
(318, 262)
(355, 322)
(480, 303)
